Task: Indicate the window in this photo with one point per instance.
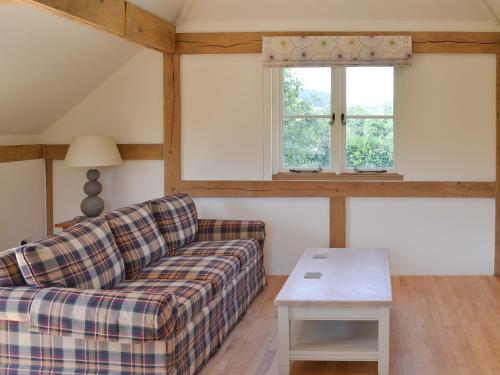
(337, 119)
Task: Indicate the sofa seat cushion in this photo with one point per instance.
(84, 256)
(191, 295)
(137, 237)
(176, 218)
(218, 270)
(243, 250)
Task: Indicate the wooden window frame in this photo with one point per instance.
(338, 141)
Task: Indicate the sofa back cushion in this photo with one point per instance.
(10, 274)
(137, 237)
(84, 256)
(176, 218)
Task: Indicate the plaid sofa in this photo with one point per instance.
(146, 289)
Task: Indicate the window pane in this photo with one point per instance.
(369, 143)
(306, 143)
(369, 90)
(307, 91)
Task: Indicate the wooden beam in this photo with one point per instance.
(338, 222)
(20, 153)
(107, 15)
(497, 201)
(117, 17)
(147, 29)
(49, 196)
(127, 151)
(423, 42)
(423, 189)
(172, 122)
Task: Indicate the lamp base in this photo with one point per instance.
(92, 205)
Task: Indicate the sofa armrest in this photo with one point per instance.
(15, 303)
(218, 230)
(105, 315)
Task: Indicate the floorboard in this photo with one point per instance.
(440, 325)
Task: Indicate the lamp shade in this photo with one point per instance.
(92, 151)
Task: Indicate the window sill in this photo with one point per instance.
(328, 176)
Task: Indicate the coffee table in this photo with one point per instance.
(335, 307)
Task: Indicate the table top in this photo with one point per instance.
(349, 277)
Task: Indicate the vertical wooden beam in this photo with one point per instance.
(172, 122)
(497, 198)
(49, 197)
(337, 222)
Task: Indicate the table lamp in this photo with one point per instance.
(92, 152)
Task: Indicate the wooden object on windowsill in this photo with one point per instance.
(69, 223)
(346, 176)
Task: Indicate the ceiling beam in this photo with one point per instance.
(116, 17)
(423, 42)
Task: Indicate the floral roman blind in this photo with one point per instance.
(336, 50)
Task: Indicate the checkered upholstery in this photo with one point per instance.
(84, 256)
(27, 352)
(10, 274)
(243, 250)
(111, 315)
(137, 237)
(23, 351)
(215, 269)
(176, 218)
(190, 295)
(15, 303)
(218, 230)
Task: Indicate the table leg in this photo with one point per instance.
(383, 341)
(284, 340)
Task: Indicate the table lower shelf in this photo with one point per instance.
(333, 340)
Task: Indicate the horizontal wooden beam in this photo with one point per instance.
(423, 189)
(423, 42)
(127, 151)
(20, 153)
(117, 17)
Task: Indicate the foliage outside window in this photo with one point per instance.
(363, 94)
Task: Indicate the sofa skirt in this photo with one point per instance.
(25, 352)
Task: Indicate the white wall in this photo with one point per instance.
(22, 202)
(445, 130)
(129, 107)
(222, 119)
(426, 236)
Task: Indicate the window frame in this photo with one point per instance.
(338, 105)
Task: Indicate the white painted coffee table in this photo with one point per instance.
(341, 316)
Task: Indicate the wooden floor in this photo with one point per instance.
(439, 325)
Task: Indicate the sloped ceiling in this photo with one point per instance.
(48, 64)
(167, 10)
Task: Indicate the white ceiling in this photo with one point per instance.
(258, 15)
(48, 64)
(245, 15)
(165, 9)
